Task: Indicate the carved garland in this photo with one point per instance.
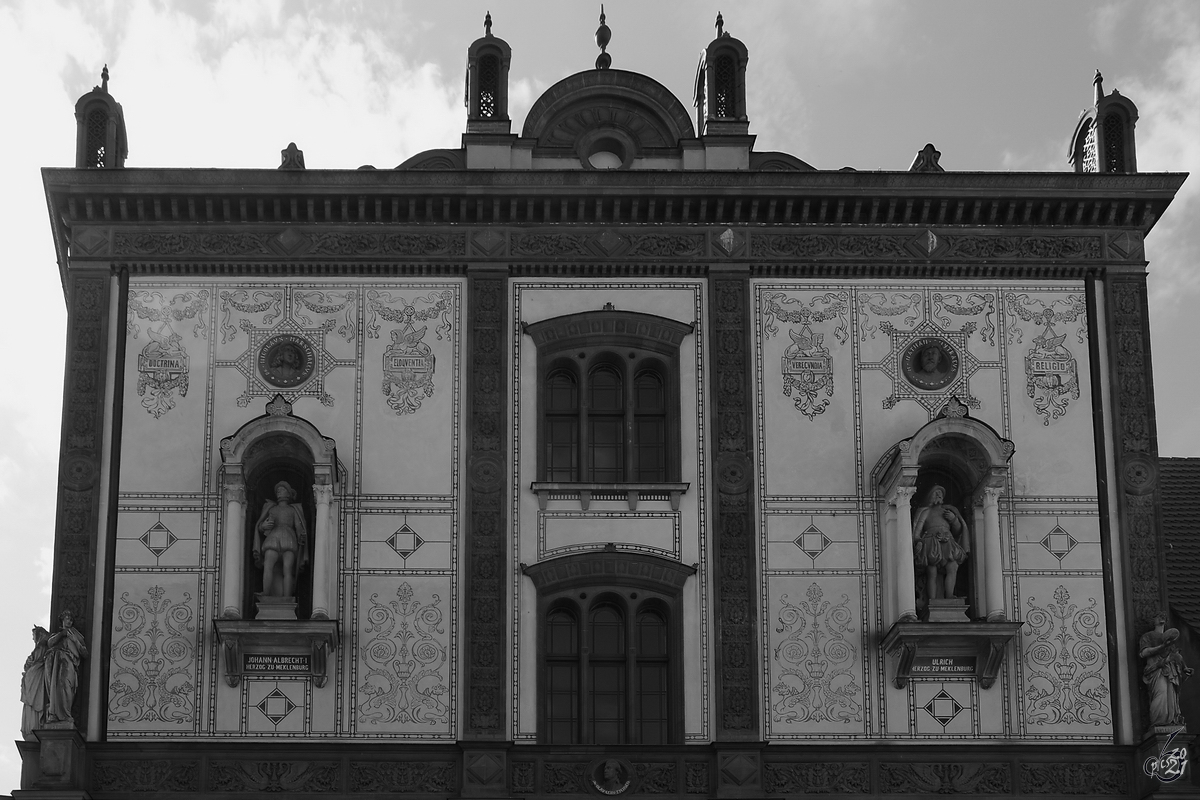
(486, 467)
(734, 562)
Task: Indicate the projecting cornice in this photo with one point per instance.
(790, 219)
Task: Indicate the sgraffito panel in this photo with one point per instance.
(816, 668)
(153, 675)
(403, 682)
(1064, 658)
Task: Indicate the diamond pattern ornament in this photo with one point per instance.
(1058, 542)
(158, 539)
(276, 706)
(943, 708)
(405, 541)
(812, 542)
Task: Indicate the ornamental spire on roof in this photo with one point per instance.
(603, 37)
(487, 24)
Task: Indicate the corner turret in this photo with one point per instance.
(100, 141)
(1103, 138)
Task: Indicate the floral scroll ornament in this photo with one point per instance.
(154, 660)
(404, 662)
(1066, 663)
(807, 365)
(815, 661)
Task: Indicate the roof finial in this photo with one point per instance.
(1098, 84)
(720, 25)
(603, 37)
(487, 24)
(104, 79)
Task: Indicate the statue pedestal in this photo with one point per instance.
(277, 647)
(947, 609)
(1163, 763)
(959, 649)
(274, 607)
(52, 769)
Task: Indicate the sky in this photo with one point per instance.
(994, 85)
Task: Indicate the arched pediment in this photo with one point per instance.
(282, 434)
(633, 104)
(958, 444)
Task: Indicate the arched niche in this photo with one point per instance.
(971, 462)
(279, 447)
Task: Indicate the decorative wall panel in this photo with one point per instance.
(395, 419)
(888, 358)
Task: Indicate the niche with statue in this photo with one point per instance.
(938, 494)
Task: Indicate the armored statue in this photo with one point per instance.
(1163, 672)
(938, 543)
(281, 542)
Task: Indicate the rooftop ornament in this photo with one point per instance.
(104, 78)
(487, 24)
(720, 25)
(603, 37)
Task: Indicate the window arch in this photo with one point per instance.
(725, 87)
(1114, 142)
(489, 86)
(610, 653)
(561, 433)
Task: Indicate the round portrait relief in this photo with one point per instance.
(286, 360)
(611, 776)
(929, 364)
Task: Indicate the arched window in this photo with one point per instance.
(609, 397)
(562, 426)
(653, 700)
(1114, 143)
(562, 676)
(606, 676)
(611, 667)
(489, 86)
(1090, 162)
(650, 427)
(725, 89)
(606, 425)
(97, 136)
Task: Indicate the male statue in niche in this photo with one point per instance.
(281, 542)
(938, 543)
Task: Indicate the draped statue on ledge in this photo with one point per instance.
(1163, 672)
(51, 676)
(281, 542)
(938, 539)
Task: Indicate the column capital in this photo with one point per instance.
(902, 495)
(991, 496)
(323, 493)
(235, 493)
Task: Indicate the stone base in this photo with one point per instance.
(274, 607)
(948, 609)
(51, 794)
(52, 766)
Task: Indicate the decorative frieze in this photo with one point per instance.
(735, 584)
(487, 526)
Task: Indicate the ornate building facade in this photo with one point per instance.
(611, 458)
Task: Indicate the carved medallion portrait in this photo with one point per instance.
(611, 776)
(286, 360)
(929, 364)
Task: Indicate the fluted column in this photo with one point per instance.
(323, 558)
(235, 551)
(904, 574)
(993, 579)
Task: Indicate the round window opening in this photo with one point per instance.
(606, 152)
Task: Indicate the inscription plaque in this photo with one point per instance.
(943, 665)
(276, 664)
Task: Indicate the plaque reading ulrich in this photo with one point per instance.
(275, 664)
(943, 665)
